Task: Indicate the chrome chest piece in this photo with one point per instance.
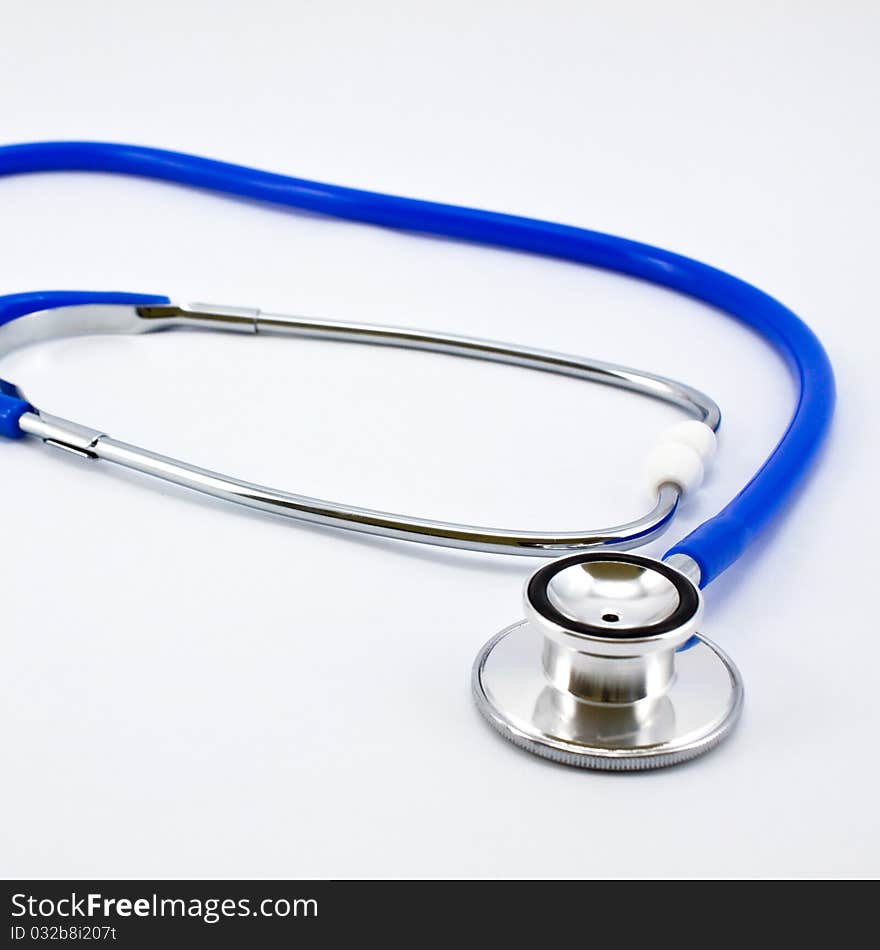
(607, 670)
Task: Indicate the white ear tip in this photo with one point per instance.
(697, 435)
(676, 463)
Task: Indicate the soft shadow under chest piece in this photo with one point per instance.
(607, 670)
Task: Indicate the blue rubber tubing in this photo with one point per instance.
(716, 543)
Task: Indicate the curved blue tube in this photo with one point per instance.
(17, 305)
(716, 543)
(12, 407)
(12, 404)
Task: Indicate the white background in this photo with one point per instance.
(191, 689)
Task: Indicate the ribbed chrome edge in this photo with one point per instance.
(606, 760)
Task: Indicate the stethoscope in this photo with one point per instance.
(607, 669)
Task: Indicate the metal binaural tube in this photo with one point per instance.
(92, 443)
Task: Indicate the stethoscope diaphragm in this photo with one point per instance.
(607, 670)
